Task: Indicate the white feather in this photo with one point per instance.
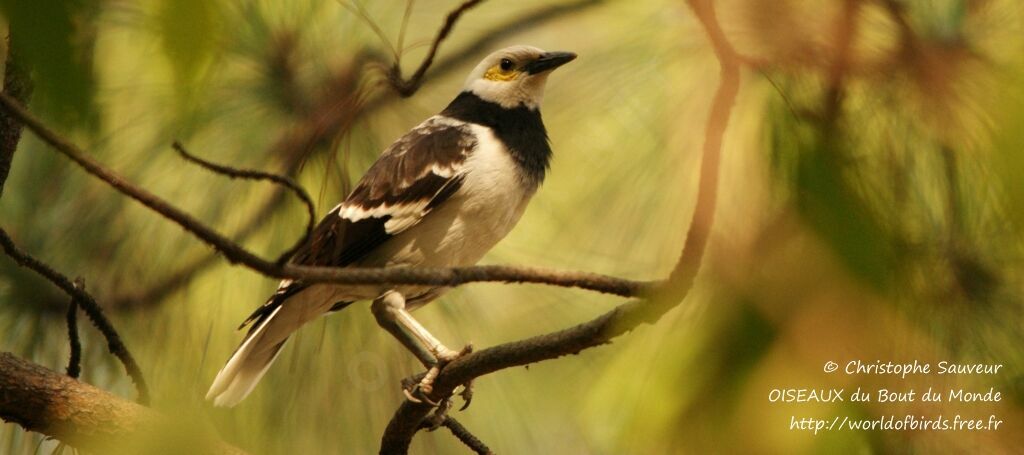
(227, 389)
(251, 360)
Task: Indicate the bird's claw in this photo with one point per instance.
(411, 396)
(466, 394)
(419, 393)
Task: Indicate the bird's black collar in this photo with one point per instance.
(520, 129)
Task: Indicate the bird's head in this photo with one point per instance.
(515, 75)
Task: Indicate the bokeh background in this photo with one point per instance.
(871, 207)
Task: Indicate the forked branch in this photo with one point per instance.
(406, 87)
(88, 305)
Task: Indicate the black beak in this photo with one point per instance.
(549, 61)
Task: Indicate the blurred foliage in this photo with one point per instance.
(56, 39)
(188, 35)
(871, 208)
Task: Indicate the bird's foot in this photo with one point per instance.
(420, 392)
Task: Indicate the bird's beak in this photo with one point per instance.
(549, 61)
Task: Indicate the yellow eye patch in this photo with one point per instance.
(495, 73)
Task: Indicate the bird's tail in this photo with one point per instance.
(251, 360)
(272, 324)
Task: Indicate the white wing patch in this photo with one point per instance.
(402, 215)
(423, 166)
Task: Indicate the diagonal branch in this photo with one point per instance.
(407, 419)
(462, 434)
(88, 305)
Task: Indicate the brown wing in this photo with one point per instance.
(414, 175)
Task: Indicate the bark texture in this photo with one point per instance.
(89, 418)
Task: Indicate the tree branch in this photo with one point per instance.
(406, 87)
(462, 434)
(45, 401)
(18, 86)
(75, 359)
(89, 305)
(407, 419)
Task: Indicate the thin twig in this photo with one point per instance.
(356, 7)
(400, 47)
(467, 438)
(406, 421)
(406, 87)
(75, 359)
(260, 175)
(89, 305)
(462, 434)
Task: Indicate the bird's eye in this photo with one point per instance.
(506, 64)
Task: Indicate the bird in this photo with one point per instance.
(442, 195)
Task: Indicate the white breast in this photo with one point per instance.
(461, 230)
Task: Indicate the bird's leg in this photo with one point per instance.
(389, 310)
(383, 309)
